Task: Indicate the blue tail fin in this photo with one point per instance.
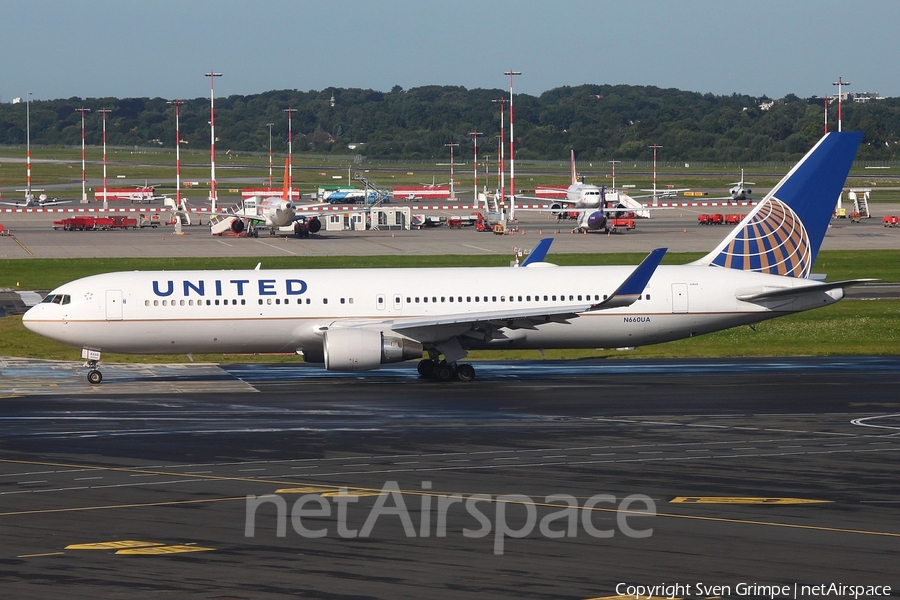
(783, 233)
(539, 253)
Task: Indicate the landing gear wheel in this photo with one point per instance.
(465, 372)
(426, 368)
(443, 372)
(94, 377)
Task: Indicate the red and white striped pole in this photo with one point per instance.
(512, 143)
(212, 139)
(500, 172)
(290, 112)
(840, 83)
(83, 178)
(177, 103)
(28, 148)
(475, 135)
(104, 112)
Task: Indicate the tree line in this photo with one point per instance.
(600, 122)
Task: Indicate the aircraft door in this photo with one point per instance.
(679, 298)
(113, 305)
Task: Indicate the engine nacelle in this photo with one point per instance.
(596, 220)
(314, 225)
(237, 226)
(354, 349)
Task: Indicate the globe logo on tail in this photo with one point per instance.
(772, 240)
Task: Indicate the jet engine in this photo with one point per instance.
(237, 225)
(314, 225)
(355, 349)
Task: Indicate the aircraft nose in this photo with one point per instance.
(30, 317)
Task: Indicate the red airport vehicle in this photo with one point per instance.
(481, 224)
(615, 224)
(733, 219)
(890, 221)
(87, 223)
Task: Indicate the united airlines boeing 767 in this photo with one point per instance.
(359, 319)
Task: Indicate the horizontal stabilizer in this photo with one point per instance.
(801, 290)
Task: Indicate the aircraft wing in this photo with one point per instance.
(564, 202)
(483, 323)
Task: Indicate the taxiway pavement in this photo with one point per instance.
(773, 471)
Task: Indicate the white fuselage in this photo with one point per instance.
(584, 195)
(259, 311)
(274, 211)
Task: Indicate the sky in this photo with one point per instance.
(163, 48)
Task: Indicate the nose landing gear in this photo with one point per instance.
(92, 360)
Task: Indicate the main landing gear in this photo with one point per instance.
(92, 360)
(441, 370)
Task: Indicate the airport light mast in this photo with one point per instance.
(613, 163)
(475, 135)
(655, 147)
(28, 147)
(512, 146)
(212, 139)
(500, 175)
(104, 112)
(270, 125)
(290, 112)
(176, 104)
(452, 145)
(84, 199)
(840, 83)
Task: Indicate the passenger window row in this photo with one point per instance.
(480, 299)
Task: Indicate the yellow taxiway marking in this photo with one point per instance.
(305, 490)
(25, 248)
(356, 493)
(157, 550)
(41, 554)
(117, 545)
(743, 500)
(412, 492)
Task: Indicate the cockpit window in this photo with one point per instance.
(57, 299)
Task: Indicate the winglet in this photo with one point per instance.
(539, 253)
(632, 288)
